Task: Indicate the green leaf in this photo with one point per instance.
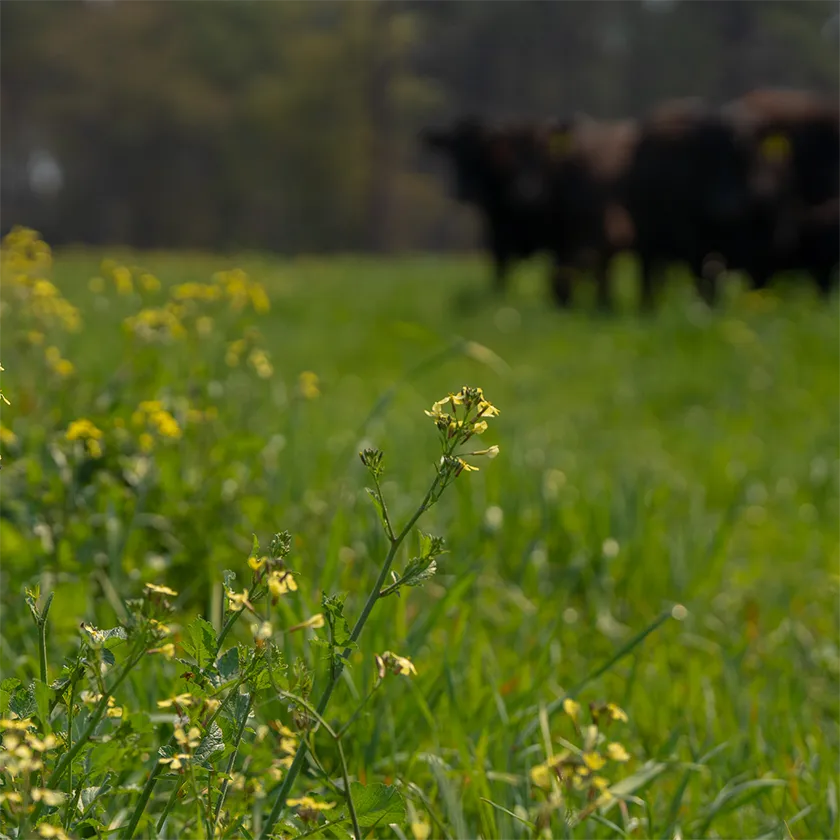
(23, 701)
(419, 570)
(255, 546)
(7, 689)
(228, 664)
(211, 743)
(380, 507)
(104, 638)
(333, 607)
(201, 642)
(377, 803)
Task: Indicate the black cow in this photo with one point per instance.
(492, 172)
(793, 142)
(585, 162)
(686, 190)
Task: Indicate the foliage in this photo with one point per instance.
(689, 457)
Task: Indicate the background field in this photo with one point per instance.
(686, 457)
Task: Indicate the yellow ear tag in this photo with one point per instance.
(776, 148)
(559, 144)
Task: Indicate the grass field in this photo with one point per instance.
(675, 473)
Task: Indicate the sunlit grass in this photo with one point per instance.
(683, 458)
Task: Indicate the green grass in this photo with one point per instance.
(684, 457)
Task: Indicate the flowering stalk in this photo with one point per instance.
(454, 431)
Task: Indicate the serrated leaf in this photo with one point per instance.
(107, 657)
(7, 689)
(104, 638)
(201, 642)
(23, 703)
(280, 545)
(89, 795)
(420, 569)
(380, 507)
(333, 607)
(228, 664)
(377, 804)
(211, 743)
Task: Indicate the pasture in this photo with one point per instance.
(658, 531)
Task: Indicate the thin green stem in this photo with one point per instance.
(170, 804)
(352, 719)
(42, 637)
(231, 760)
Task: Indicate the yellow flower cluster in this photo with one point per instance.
(197, 291)
(58, 365)
(22, 750)
(85, 430)
(578, 769)
(187, 742)
(308, 385)
(394, 663)
(241, 291)
(157, 325)
(26, 260)
(112, 710)
(126, 280)
(151, 415)
(259, 361)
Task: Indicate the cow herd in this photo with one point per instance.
(750, 186)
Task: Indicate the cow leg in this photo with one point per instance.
(647, 267)
(603, 285)
(501, 264)
(824, 275)
(561, 285)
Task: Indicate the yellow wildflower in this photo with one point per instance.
(238, 601)
(53, 832)
(421, 830)
(593, 760)
(541, 776)
(159, 590)
(616, 752)
(398, 664)
(49, 742)
(7, 436)
(149, 283)
(571, 708)
(616, 713)
(83, 430)
(183, 700)
(279, 583)
(19, 725)
(257, 563)
(310, 804)
(262, 631)
(176, 762)
(316, 622)
(122, 280)
(167, 650)
(188, 740)
(308, 385)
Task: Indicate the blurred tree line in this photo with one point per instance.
(292, 125)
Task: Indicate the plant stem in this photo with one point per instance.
(42, 637)
(169, 805)
(231, 761)
(373, 597)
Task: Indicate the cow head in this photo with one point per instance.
(466, 144)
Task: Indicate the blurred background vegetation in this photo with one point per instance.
(291, 126)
